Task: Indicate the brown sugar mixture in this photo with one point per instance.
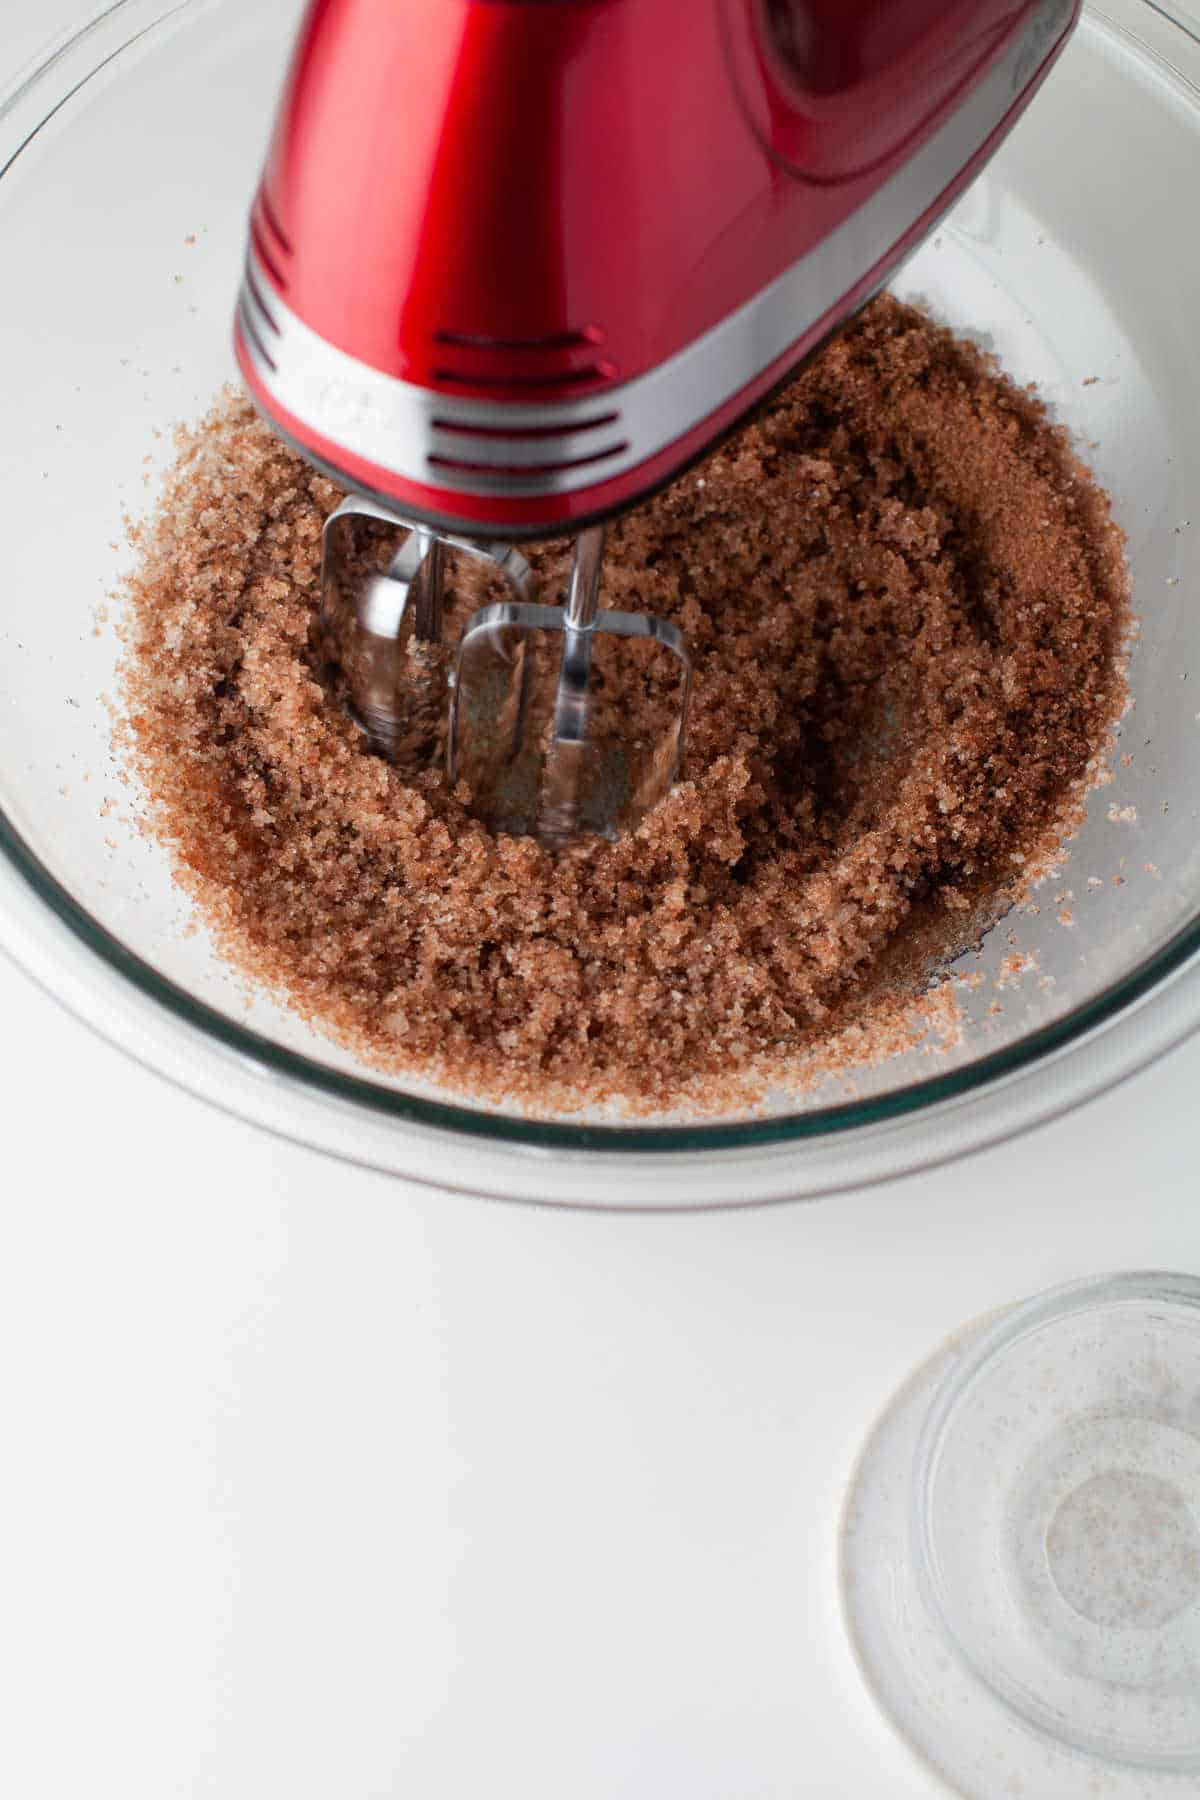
(906, 601)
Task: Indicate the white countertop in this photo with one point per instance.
(315, 1484)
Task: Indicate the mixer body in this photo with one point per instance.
(514, 263)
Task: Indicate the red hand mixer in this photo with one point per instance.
(514, 264)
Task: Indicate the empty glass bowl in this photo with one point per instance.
(1057, 1516)
(126, 166)
(1021, 1548)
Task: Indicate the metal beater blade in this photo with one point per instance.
(550, 744)
(382, 624)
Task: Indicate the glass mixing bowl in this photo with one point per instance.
(127, 160)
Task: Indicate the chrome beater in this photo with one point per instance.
(544, 740)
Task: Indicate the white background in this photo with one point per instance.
(316, 1486)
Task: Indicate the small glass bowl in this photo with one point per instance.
(1056, 1516)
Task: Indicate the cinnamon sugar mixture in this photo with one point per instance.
(905, 599)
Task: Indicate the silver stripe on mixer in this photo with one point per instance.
(426, 437)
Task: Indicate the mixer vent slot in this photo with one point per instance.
(263, 314)
(258, 321)
(554, 363)
(272, 223)
(255, 337)
(271, 243)
(556, 380)
(468, 428)
(561, 340)
(465, 467)
(480, 446)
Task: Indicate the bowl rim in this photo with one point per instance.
(26, 106)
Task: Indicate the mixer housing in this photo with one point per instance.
(514, 263)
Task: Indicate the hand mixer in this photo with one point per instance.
(514, 264)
